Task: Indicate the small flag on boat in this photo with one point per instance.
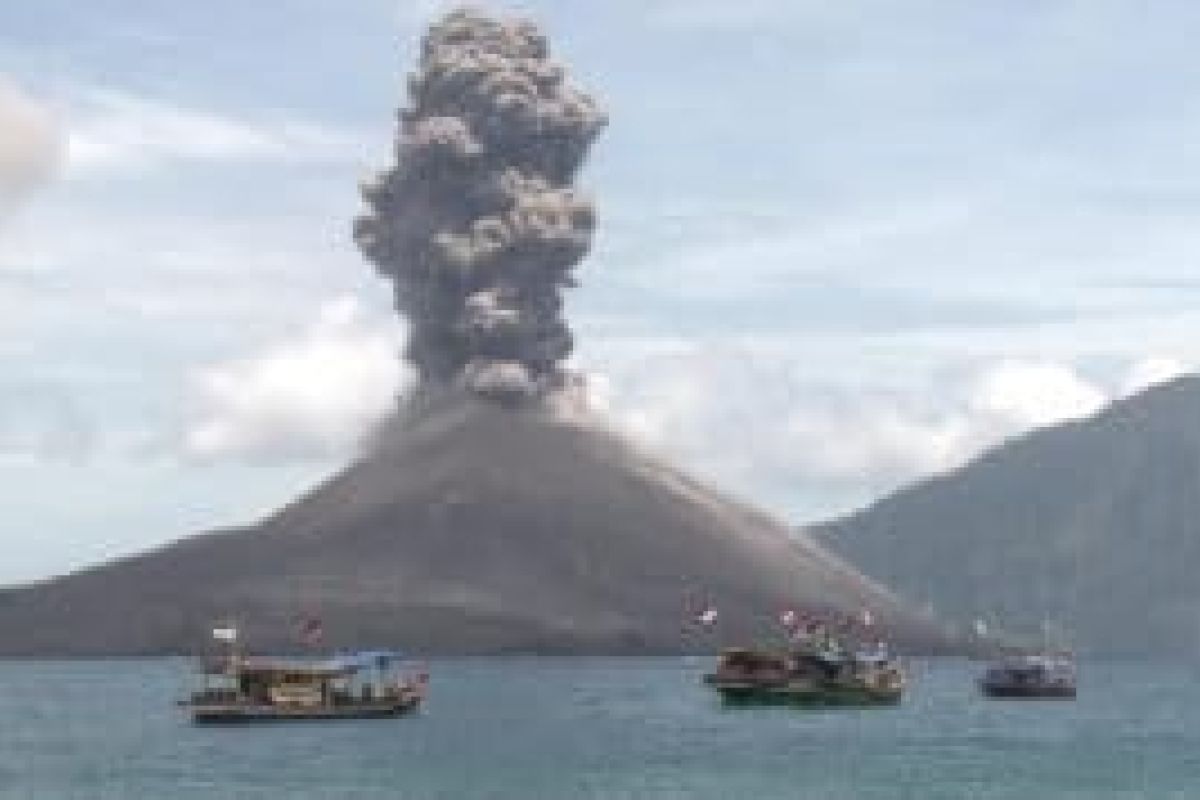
(788, 618)
(868, 619)
(225, 633)
(311, 630)
(707, 617)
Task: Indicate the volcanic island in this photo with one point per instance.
(493, 513)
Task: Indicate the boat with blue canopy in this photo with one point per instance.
(237, 688)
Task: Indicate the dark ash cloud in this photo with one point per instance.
(477, 223)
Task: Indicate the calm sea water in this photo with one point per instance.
(620, 728)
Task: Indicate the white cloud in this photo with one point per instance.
(874, 442)
(1023, 394)
(1152, 371)
(758, 424)
(307, 399)
(29, 144)
(118, 131)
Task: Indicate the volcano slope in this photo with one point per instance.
(473, 528)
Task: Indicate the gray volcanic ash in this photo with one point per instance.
(477, 224)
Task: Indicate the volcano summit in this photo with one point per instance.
(491, 514)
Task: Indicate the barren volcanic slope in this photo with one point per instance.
(475, 528)
(1093, 526)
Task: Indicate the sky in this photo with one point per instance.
(841, 246)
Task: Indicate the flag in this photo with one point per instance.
(311, 631)
(788, 618)
(868, 619)
(225, 633)
(707, 617)
(981, 628)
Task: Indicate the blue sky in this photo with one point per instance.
(841, 245)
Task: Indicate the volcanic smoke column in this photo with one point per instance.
(477, 223)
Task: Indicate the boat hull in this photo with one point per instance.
(1009, 692)
(751, 695)
(240, 713)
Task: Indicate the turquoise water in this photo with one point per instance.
(621, 728)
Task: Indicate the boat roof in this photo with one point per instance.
(277, 667)
(747, 655)
(1037, 660)
(341, 665)
(367, 659)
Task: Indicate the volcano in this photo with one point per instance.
(470, 528)
(492, 515)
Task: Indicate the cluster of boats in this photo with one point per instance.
(817, 668)
(821, 676)
(807, 676)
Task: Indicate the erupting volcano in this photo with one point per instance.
(491, 514)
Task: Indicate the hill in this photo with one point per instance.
(1093, 525)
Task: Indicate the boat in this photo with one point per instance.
(1031, 676)
(239, 689)
(808, 675)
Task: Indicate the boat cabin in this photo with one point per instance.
(238, 687)
(1032, 675)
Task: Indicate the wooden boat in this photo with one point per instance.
(807, 677)
(1037, 676)
(238, 689)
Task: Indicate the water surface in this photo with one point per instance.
(602, 728)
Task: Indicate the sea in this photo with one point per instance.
(603, 728)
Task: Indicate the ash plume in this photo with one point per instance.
(477, 223)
